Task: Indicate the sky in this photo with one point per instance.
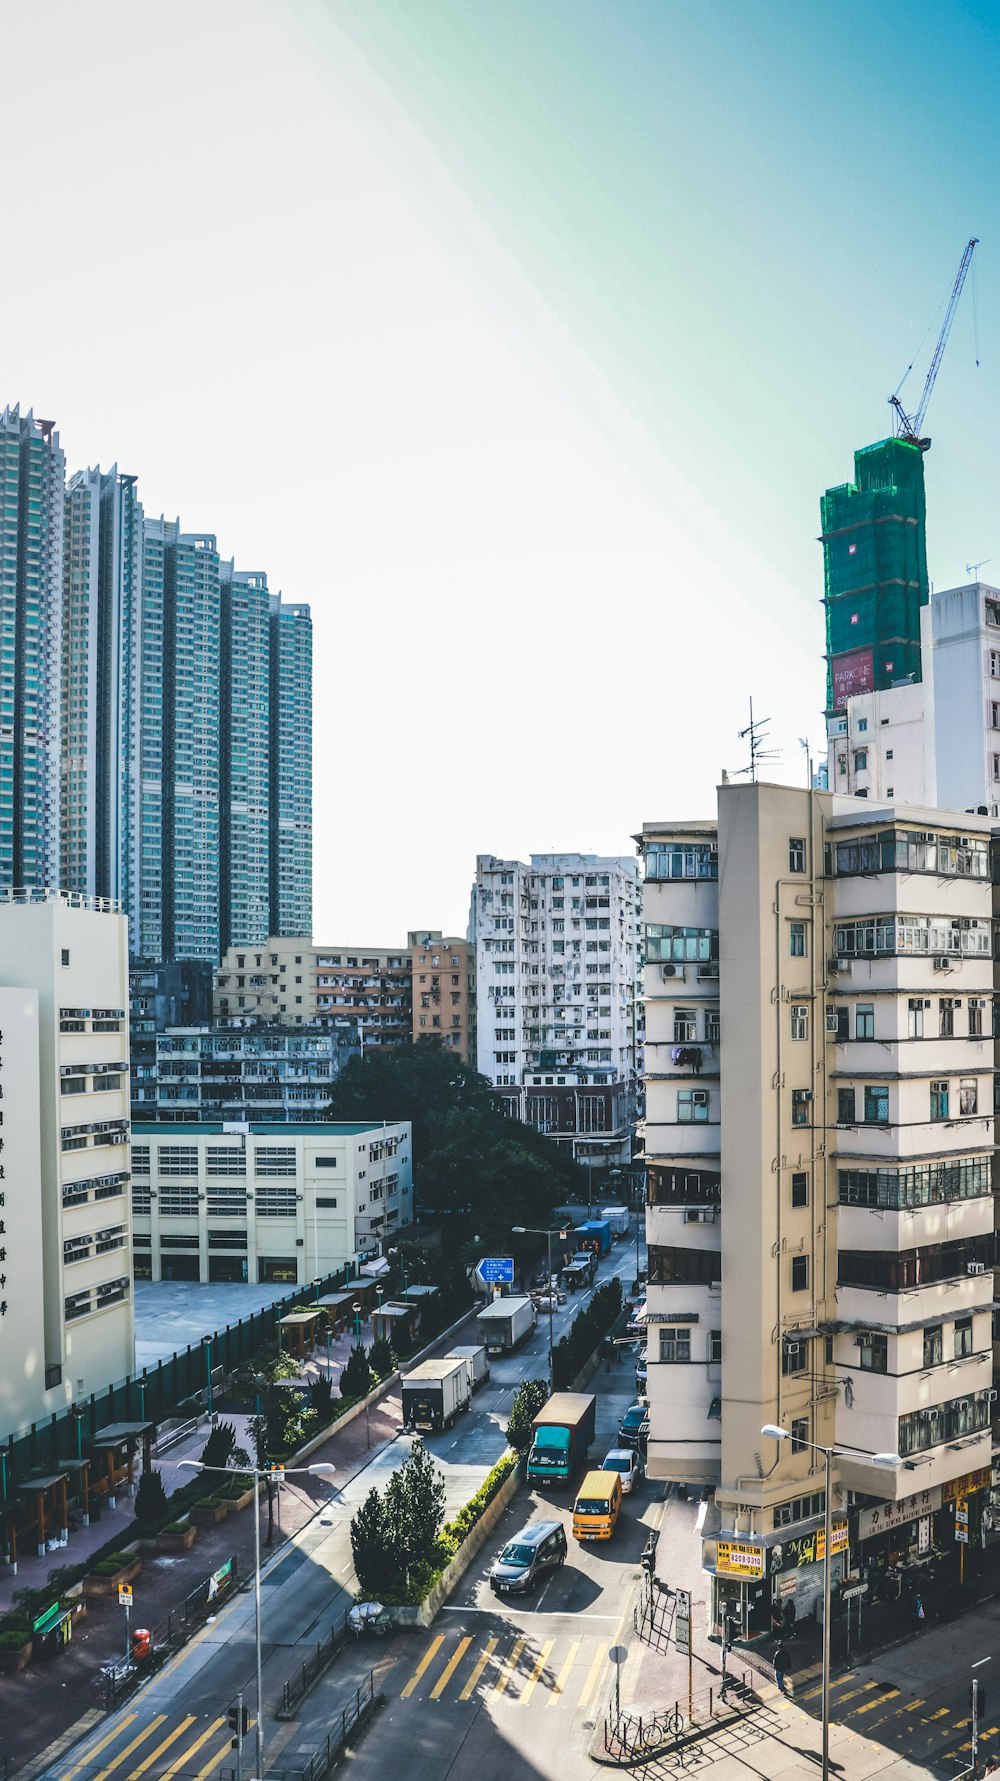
(520, 339)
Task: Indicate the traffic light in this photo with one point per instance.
(977, 1698)
(235, 1715)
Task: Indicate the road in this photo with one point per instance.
(549, 1652)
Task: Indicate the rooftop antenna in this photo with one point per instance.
(974, 568)
(806, 748)
(756, 730)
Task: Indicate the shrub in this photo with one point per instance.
(13, 1641)
(572, 1353)
(381, 1358)
(176, 1527)
(321, 1397)
(528, 1400)
(395, 1538)
(218, 1449)
(115, 1561)
(454, 1532)
(356, 1378)
(150, 1498)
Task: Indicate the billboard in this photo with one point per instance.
(854, 673)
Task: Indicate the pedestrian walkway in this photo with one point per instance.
(509, 1669)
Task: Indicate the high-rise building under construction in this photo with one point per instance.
(875, 572)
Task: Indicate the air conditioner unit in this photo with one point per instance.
(942, 964)
(672, 971)
(976, 1268)
(928, 1415)
(864, 1340)
(991, 1396)
(708, 971)
(792, 1347)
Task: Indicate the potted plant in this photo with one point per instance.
(177, 1536)
(210, 1510)
(105, 1576)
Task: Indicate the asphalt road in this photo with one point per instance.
(549, 1653)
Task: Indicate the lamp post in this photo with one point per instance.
(356, 1308)
(257, 1472)
(522, 1230)
(890, 1461)
(206, 1342)
(317, 1283)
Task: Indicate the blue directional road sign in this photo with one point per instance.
(496, 1270)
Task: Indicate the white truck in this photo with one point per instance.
(475, 1354)
(436, 1392)
(504, 1325)
(617, 1218)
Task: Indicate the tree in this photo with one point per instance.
(528, 1400)
(356, 1377)
(219, 1446)
(257, 1430)
(150, 1498)
(321, 1397)
(423, 1496)
(375, 1561)
(394, 1533)
(381, 1358)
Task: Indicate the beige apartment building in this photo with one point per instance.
(66, 1321)
(383, 996)
(819, 1137)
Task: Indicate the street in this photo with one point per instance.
(549, 1653)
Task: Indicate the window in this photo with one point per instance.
(915, 1018)
(685, 1026)
(665, 943)
(846, 1113)
(800, 1273)
(968, 1096)
(800, 1020)
(888, 754)
(995, 664)
(794, 1357)
(276, 1202)
(919, 1184)
(675, 1346)
(692, 1105)
(886, 1271)
(939, 1100)
(177, 1159)
(65, 955)
(862, 724)
(946, 1422)
(946, 1017)
(963, 1337)
(796, 855)
(227, 1200)
(864, 1020)
(977, 1005)
(860, 760)
(715, 1347)
(225, 1159)
(274, 1159)
(876, 1105)
(800, 1433)
(838, 1023)
(933, 1350)
(797, 939)
(326, 1162)
(873, 1353)
(800, 1190)
(712, 1027)
(684, 1267)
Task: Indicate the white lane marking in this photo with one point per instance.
(509, 1608)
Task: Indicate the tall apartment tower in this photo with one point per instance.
(32, 471)
(66, 1324)
(245, 751)
(556, 986)
(291, 769)
(102, 579)
(842, 1286)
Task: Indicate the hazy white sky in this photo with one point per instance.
(520, 340)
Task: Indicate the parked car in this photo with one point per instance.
(626, 1462)
(523, 1562)
(546, 1301)
(634, 1427)
(641, 1371)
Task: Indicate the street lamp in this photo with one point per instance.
(890, 1461)
(523, 1230)
(206, 1342)
(317, 1284)
(356, 1308)
(196, 1465)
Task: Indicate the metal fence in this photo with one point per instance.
(632, 1736)
(318, 1660)
(120, 1679)
(353, 1715)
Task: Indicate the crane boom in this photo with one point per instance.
(907, 428)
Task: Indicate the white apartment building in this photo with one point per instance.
(267, 1202)
(842, 1285)
(66, 1325)
(557, 953)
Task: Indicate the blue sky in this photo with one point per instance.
(521, 340)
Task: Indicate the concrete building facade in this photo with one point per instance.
(443, 991)
(188, 1074)
(280, 1204)
(847, 1266)
(66, 1323)
(557, 967)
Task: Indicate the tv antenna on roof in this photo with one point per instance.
(974, 568)
(760, 756)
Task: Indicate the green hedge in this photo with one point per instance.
(115, 1561)
(589, 1326)
(454, 1532)
(13, 1641)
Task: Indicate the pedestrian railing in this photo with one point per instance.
(353, 1715)
(629, 1736)
(121, 1677)
(319, 1659)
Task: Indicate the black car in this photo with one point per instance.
(634, 1427)
(523, 1561)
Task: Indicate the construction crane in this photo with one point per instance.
(907, 427)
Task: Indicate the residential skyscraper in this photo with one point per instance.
(245, 759)
(290, 769)
(32, 474)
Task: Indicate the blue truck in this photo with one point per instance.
(560, 1436)
(594, 1234)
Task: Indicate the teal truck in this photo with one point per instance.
(560, 1436)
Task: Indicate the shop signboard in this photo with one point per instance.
(734, 1558)
(961, 1534)
(809, 1549)
(886, 1516)
(924, 1535)
(852, 674)
(964, 1487)
(962, 1511)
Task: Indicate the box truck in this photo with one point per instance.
(617, 1218)
(504, 1325)
(436, 1392)
(560, 1436)
(595, 1234)
(475, 1354)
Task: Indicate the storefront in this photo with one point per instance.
(762, 1581)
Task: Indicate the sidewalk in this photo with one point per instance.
(45, 1700)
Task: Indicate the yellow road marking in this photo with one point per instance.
(911, 1706)
(449, 1669)
(215, 1760)
(187, 1754)
(811, 1693)
(888, 1694)
(588, 1687)
(108, 1738)
(154, 1725)
(171, 1738)
(428, 1657)
(990, 1734)
(543, 1658)
(466, 1694)
(563, 1676)
(941, 1713)
(508, 1667)
(852, 1695)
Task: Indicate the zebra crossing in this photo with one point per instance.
(908, 1722)
(515, 1670)
(173, 1746)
